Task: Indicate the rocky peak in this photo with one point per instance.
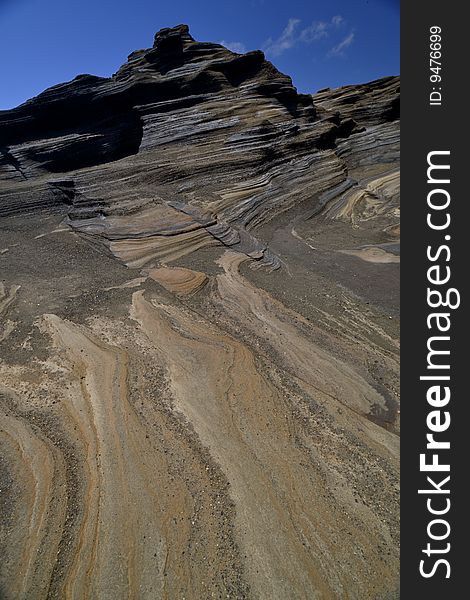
(178, 34)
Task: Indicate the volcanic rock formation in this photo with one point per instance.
(199, 333)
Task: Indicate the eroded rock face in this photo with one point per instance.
(198, 335)
(184, 127)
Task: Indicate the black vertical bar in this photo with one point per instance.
(426, 127)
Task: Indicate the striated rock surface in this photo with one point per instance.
(199, 333)
(178, 280)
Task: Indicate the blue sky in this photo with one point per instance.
(318, 43)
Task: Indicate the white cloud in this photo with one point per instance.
(337, 20)
(293, 34)
(237, 47)
(339, 49)
(285, 41)
(316, 31)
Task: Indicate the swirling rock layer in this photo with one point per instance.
(199, 334)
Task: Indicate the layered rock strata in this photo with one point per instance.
(199, 333)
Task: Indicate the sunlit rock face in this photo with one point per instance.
(199, 333)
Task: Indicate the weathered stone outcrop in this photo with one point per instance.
(189, 125)
(199, 334)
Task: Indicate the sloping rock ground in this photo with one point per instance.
(199, 334)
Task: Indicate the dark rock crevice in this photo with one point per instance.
(8, 160)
